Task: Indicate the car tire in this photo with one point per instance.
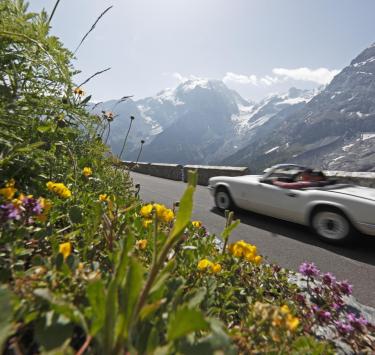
(223, 199)
(332, 226)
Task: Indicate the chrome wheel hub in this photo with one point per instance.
(331, 225)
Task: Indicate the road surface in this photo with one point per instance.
(285, 243)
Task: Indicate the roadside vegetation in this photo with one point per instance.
(88, 268)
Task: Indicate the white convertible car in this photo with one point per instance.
(335, 211)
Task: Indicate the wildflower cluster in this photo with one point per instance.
(241, 249)
(283, 317)
(325, 304)
(59, 189)
(205, 264)
(25, 208)
(162, 213)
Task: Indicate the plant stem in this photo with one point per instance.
(126, 138)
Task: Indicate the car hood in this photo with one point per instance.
(357, 191)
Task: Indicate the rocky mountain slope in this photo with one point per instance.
(201, 121)
(334, 130)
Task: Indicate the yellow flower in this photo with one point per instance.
(65, 249)
(141, 244)
(292, 322)
(248, 251)
(160, 209)
(59, 189)
(285, 309)
(8, 192)
(79, 92)
(87, 171)
(103, 197)
(46, 206)
(216, 268)
(167, 216)
(10, 183)
(146, 222)
(196, 224)
(204, 264)
(146, 211)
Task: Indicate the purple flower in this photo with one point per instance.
(300, 298)
(328, 279)
(10, 211)
(345, 287)
(356, 321)
(32, 205)
(343, 328)
(325, 315)
(308, 269)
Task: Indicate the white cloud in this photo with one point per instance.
(240, 79)
(270, 80)
(320, 76)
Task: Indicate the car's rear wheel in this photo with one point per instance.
(332, 225)
(223, 200)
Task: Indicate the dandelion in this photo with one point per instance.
(65, 249)
(87, 171)
(196, 224)
(141, 244)
(59, 189)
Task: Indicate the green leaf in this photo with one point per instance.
(228, 230)
(45, 128)
(185, 321)
(198, 297)
(75, 214)
(133, 286)
(52, 333)
(86, 100)
(149, 309)
(186, 207)
(6, 316)
(96, 295)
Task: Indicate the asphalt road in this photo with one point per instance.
(285, 243)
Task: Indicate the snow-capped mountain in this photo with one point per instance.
(200, 121)
(334, 130)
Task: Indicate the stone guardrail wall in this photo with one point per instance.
(179, 172)
(357, 178)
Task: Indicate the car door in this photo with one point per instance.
(278, 202)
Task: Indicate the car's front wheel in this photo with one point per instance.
(332, 225)
(223, 200)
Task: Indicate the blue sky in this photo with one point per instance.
(256, 46)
